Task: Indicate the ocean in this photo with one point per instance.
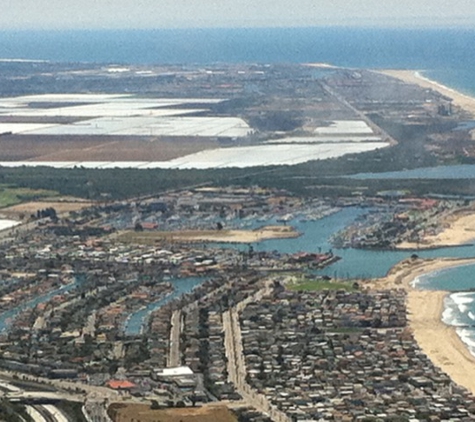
(445, 55)
(460, 303)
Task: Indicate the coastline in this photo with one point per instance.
(425, 308)
(461, 100)
(458, 230)
(440, 342)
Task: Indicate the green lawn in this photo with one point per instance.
(11, 196)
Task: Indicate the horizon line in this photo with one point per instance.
(421, 26)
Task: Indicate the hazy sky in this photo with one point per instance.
(98, 14)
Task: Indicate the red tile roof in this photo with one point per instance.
(120, 384)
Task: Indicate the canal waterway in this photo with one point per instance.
(7, 317)
(355, 263)
(138, 320)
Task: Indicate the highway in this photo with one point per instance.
(376, 129)
(45, 413)
(39, 412)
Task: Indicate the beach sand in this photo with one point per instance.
(437, 340)
(459, 229)
(414, 77)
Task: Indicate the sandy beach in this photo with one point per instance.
(438, 341)
(458, 229)
(415, 77)
(220, 236)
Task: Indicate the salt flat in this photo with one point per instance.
(266, 155)
(54, 98)
(98, 110)
(118, 115)
(7, 224)
(131, 116)
(324, 139)
(24, 101)
(345, 127)
(242, 157)
(153, 126)
(22, 127)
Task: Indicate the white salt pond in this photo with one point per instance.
(7, 224)
(345, 127)
(324, 139)
(241, 157)
(153, 125)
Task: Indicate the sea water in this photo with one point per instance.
(459, 305)
(445, 54)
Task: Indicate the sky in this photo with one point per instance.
(147, 14)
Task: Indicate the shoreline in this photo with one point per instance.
(458, 229)
(464, 101)
(439, 341)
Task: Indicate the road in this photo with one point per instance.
(35, 414)
(174, 358)
(64, 385)
(95, 411)
(376, 129)
(236, 361)
(40, 412)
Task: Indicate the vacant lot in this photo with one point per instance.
(143, 413)
(233, 236)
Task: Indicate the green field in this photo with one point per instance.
(11, 195)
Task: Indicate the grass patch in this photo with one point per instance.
(303, 284)
(12, 196)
